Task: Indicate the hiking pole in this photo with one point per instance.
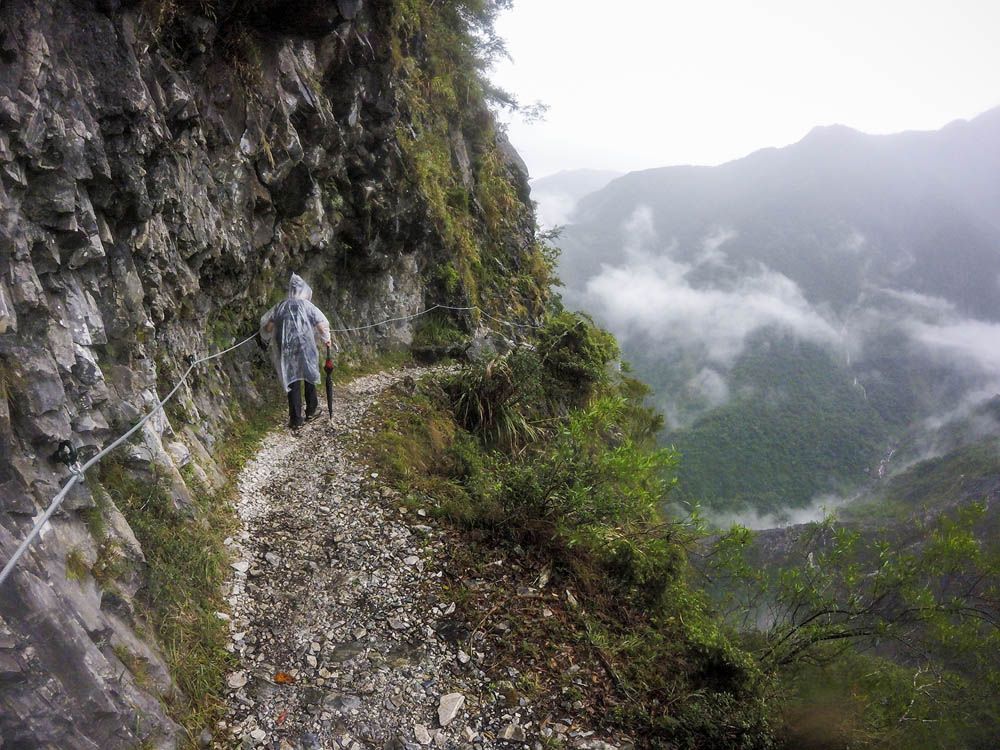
(328, 366)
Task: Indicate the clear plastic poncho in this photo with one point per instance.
(290, 329)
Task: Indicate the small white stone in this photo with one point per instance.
(258, 734)
(513, 732)
(421, 735)
(237, 680)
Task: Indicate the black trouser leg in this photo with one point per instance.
(295, 403)
(312, 405)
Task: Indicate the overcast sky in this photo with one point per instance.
(633, 84)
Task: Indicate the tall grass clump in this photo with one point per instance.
(492, 399)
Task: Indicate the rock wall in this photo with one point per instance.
(159, 178)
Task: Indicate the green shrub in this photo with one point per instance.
(110, 564)
(509, 400)
(448, 278)
(575, 355)
(591, 489)
(134, 663)
(437, 329)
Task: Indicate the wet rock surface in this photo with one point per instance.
(341, 615)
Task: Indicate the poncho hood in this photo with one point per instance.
(298, 288)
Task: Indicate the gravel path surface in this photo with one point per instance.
(340, 615)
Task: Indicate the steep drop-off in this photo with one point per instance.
(161, 172)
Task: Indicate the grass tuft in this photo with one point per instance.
(110, 564)
(76, 565)
(135, 664)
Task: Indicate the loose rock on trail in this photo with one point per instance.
(340, 620)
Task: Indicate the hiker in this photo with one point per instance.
(291, 328)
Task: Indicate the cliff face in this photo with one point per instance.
(160, 175)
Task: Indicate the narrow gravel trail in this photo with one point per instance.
(339, 613)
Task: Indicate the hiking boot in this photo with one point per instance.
(311, 417)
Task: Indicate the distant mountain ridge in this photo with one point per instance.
(557, 194)
(575, 183)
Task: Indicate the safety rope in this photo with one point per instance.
(432, 309)
(78, 470)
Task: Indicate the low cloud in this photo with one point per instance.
(964, 342)
(710, 386)
(854, 244)
(915, 304)
(553, 209)
(711, 247)
(819, 509)
(968, 410)
(695, 307)
(650, 294)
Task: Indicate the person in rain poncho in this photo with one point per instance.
(290, 330)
